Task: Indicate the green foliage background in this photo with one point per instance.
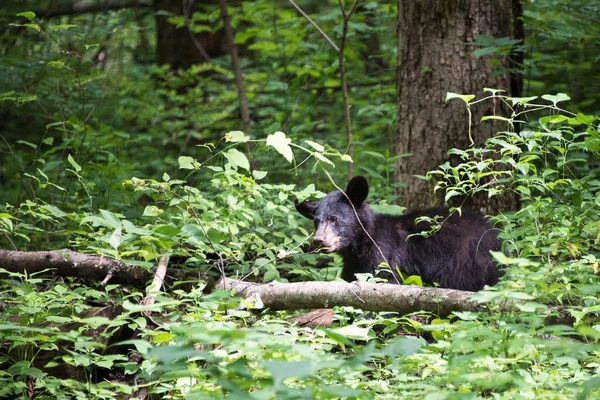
(136, 161)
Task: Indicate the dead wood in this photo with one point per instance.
(278, 296)
(67, 263)
(315, 318)
(366, 296)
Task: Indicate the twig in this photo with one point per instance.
(156, 285)
(301, 12)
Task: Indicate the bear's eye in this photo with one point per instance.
(333, 219)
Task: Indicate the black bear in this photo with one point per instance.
(456, 256)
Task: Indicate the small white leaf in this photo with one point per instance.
(236, 137)
(282, 144)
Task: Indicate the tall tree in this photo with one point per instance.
(435, 57)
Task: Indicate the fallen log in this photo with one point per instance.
(68, 263)
(403, 299)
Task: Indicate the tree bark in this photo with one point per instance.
(366, 296)
(181, 48)
(434, 57)
(67, 263)
(278, 296)
(237, 69)
(518, 58)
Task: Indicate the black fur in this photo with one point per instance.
(456, 256)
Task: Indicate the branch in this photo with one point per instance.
(83, 7)
(313, 23)
(156, 285)
(67, 263)
(157, 282)
(281, 296)
(277, 296)
(366, 296)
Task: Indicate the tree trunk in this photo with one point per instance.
(434, 57)
(180, 47)
(236, 66)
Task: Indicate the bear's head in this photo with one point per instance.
(335, 215)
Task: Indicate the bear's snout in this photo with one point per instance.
(326, 238)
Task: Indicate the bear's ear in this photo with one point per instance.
(357, 190)
(307, 208)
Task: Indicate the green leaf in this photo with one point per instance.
(281, 143)
(152, 211)
(112, 219)
(493, 91)
(62, 27)
(403, 346)
(56, 64)
(216, 236)
(33, 146)
(258, 175)
(187, 162)
(315, 146)
(282, 370)
(521, 100)
(236, 137)
(54, 211)
(353, 332)
(237, 159)
(60, 289)
(579, 120)
(464, 97)
(115, 238)
(523, 190)
(413, 280)
(557, 98)
(27, 14)
(346, 157)
(484, 51)
(553, 119)
(35, 372)
(322, 158)
(33, 26)
(496, 117)
(450, 194)
(26, 99)
(140, 345)
(7, 94)
(391, 209)
(73, 163)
